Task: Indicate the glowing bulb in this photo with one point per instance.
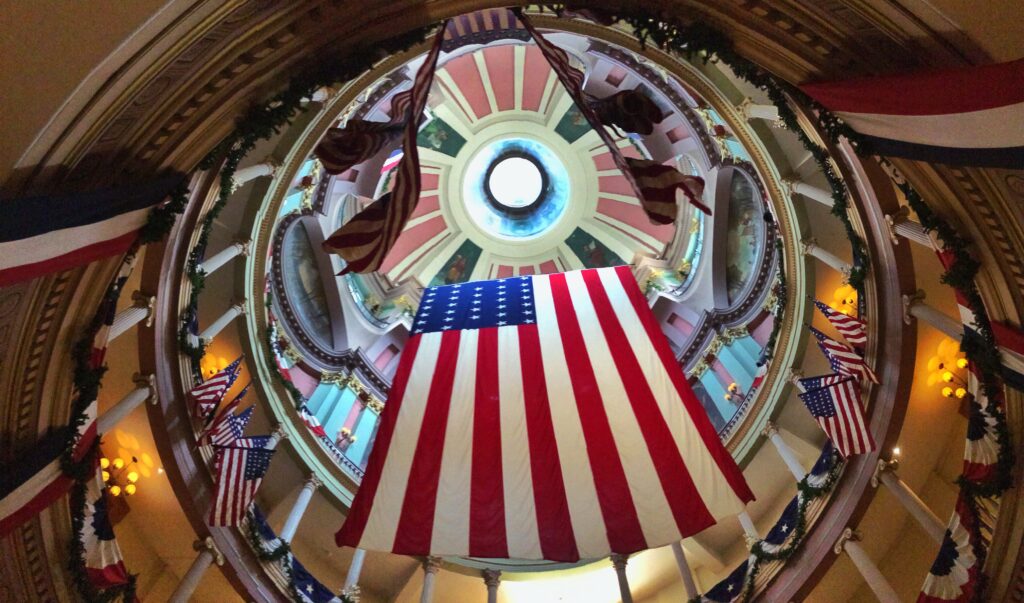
(896, 451)
(115, 490)
(947, 376)
(961, 363)
(104, 463)
(160, 470)
(118, 463)
(961, 392)
(129, 489)
(947, 392)
(106, 476)
(133, 476)
(353, 439)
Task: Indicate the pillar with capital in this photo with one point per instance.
(751, 110)
(431, 565)
(222, 257)
(619, 563)
(684, 571)
(885, 473)
(902, 227)
(914, 306)
(276, 436)
(140, 310)
(224, 320)
(771, 432)
(797, 187)
(291, 524)
(267, 167)
(492, 578)
(355, 568)
(145, 389)
(812, 249)
(848, 543)
(208, 554)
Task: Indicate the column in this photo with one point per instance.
(430, 567)
(811, 248)
(268, 167)
(619, 563)
(885, 472)
(276, 436)
(354, 570)
(796, 187)
(208, 554)
(492, 578)
(795, 375)
(901, 226)
(751, 110)
(749, 530)
(876, 581)
(684, 570)
(914, 306)
(320, 95)
(788, 457)
(145, 390)
(141, 309)
(223, 256)
(299, 508)
(225, 319)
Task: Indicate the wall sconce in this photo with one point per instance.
(345, 438)
(733, 393)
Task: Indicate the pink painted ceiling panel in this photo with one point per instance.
(633, 215)
(537, 70)
(500, 69)
(412, 239)
(465, 74)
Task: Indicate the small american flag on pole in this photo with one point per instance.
(837, 409)
(238, 472)
(851, 328)
(842, 358)
(207, 395)
(227, 428)
(809, 383)
(541, 417)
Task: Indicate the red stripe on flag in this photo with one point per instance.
(941, 92)
(620, 518)
(708, 435)
(554, 524)
(687, 506)
(487, 495)
(351, 531)
(78, 257)
(416, 522)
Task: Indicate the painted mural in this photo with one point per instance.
(591, 252)
(745, 238)
(459, 267)
(441, 137)
(572, 125)
(303, 286)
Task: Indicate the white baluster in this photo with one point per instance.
(145, 390)
(291, 524)
(208, 554)
(876, 581)
(140, 310)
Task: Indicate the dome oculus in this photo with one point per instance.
(515, 181)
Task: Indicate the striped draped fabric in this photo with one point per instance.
(359, 140)
(654, 184)
(365, 240)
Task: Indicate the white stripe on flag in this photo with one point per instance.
(985, 129)
(516, 472)
(577, 474)
(451, 510)
(652, 508)
(56, 243)
(382, 523)
(23, 494)
(714, 489)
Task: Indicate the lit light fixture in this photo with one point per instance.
(944, 369)
(733, 394)
(119, 476)
(844, 300)
(896, 451)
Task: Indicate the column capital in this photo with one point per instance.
(273, 163)
(789, 185)
(808, 245)
(492, 577)
(795, 375)
(891, 220)
(207, 544)
(279, 432)
(146, 381)
(848, 535)
(909, 301)
(148, 302)
(769, 429)
(313, 482)
(352, 592)
(619, 561)
(241, 306)
(883, 466)
(431, 564)
(244, 246)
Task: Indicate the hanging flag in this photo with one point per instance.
(207, 395)
(392, 161)
(541, 417)
(654, 185)
(40, 235)
(227, 428)
(238, 472)
(963, 116)
(38, 481)
(837, 409)
(982, 450)
(731, 588)
(629, 110)
(842, 358)
(103, 562)
(359, 140)
(782, 532)
(365, 240)
(312, 422)
(954, 575)
(809, 383)
(853, 329)
(308, 588)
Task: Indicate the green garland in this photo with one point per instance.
(257, 543)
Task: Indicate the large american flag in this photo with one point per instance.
(227, 426)
(851, 328)
(238, 472)
(842, 358)
(207, 395)
(541, 417)
(837, 409)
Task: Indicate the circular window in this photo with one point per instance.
(515, 181)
